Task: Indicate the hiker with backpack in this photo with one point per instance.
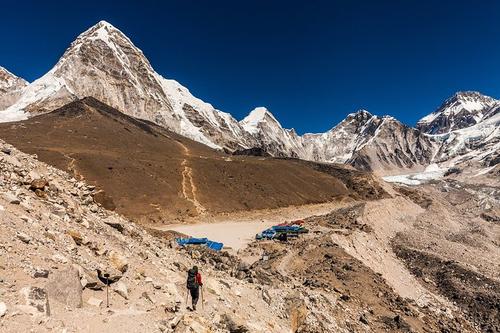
(194, 283)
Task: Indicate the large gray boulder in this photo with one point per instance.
(65, 287)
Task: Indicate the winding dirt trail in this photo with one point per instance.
(188, 186)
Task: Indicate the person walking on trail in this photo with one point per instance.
(193, 284)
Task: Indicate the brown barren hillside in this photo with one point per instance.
(153, 175)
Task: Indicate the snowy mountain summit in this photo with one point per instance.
(103, 63)
(462, 110)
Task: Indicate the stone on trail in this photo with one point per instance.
(119, 261)
(23, 237)
(213, 286)
(3, 309)
(41, 273)
(77, 237)
(11, 198)
(297, 311)
(94, 302)
(90, 281)
(65, 287)
(36, 299)
(38, 184)
(113, 223)
(121, 289)
(233, 326)
(172, 291)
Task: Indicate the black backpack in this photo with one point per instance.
(191, 279)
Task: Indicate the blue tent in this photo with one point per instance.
(215, 245)
(200, 241)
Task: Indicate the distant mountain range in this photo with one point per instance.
(103, 63)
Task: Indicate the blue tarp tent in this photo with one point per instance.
(200, 241)
(215, 245)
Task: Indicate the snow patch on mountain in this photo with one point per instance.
(432, 172)
(479, 143)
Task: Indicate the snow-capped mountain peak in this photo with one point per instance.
(463, 109)
(103, 63)
(257, 116)
(360, 114)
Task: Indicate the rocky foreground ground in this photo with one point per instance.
(418, 260)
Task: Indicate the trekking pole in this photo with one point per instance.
(202, 301)
(106, 275)
(187, 296)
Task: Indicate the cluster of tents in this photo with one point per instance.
(200, 241)
(283, 231)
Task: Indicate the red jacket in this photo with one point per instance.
(198, 279)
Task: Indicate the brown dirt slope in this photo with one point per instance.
(153, 175)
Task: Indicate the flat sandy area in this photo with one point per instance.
(237, 230)
(235, 235)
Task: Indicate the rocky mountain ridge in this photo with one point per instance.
(103, 63)
(10, 88)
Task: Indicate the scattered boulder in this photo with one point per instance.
(64, 286)
(118, 261)
(76, 236)
(59, 258)
(491, 215)
(173, 307)
(213, 287)
(266, 297)
(297, 312)
(23, 237)
(37, 300)
(41, 273)
(231, 325)
(114, 224)
(121, 289)
(39, 184)
(172, 291)
(94, 302)
(91, 281)
(11, 198)
(58, 210)
(3, 309)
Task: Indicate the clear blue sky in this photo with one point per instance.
(310, 62)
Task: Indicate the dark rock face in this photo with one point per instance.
(255, 151)
(394, 145)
